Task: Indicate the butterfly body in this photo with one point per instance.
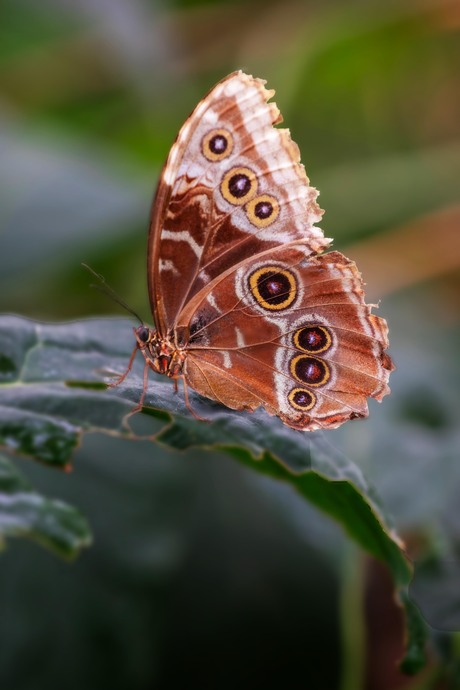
(248, 309)
(160, 354)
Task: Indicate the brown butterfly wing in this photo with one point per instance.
(291, 332)
(232, 186)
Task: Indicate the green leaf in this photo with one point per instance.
(25, 513)
(42, 412)
(50, 397)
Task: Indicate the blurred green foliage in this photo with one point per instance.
(203, 574)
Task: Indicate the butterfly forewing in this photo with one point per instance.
(232, 187)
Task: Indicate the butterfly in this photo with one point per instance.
(248, 310)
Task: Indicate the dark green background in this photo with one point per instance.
(203, 574)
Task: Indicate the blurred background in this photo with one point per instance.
(202, 574)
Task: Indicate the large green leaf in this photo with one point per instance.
(25, 513)
(52, 379)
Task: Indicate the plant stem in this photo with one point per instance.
(352, 622)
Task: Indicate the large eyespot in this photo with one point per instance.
(313, 339)
(239, 185)
(273, 288)
(263, 210)
(301, 399)
(217, 144)
(310, 370)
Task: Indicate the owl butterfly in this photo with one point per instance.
(247, 309)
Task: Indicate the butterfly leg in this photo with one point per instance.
(187, 402)
(122, 377)
(145, 384)
(140, 404)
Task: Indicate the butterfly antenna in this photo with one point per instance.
(110, 292)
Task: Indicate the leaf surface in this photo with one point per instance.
(54, 390)
(26, 513)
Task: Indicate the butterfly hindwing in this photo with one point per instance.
(292, 333)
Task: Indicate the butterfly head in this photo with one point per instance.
(144, 335)
(160, 354)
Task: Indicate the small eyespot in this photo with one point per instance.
(143, 333)
(273, 288)
(314, 339)
(217, 145)
(263, 210)
(310, 370)
(239, 185)
(301, 399)
(197, 328)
